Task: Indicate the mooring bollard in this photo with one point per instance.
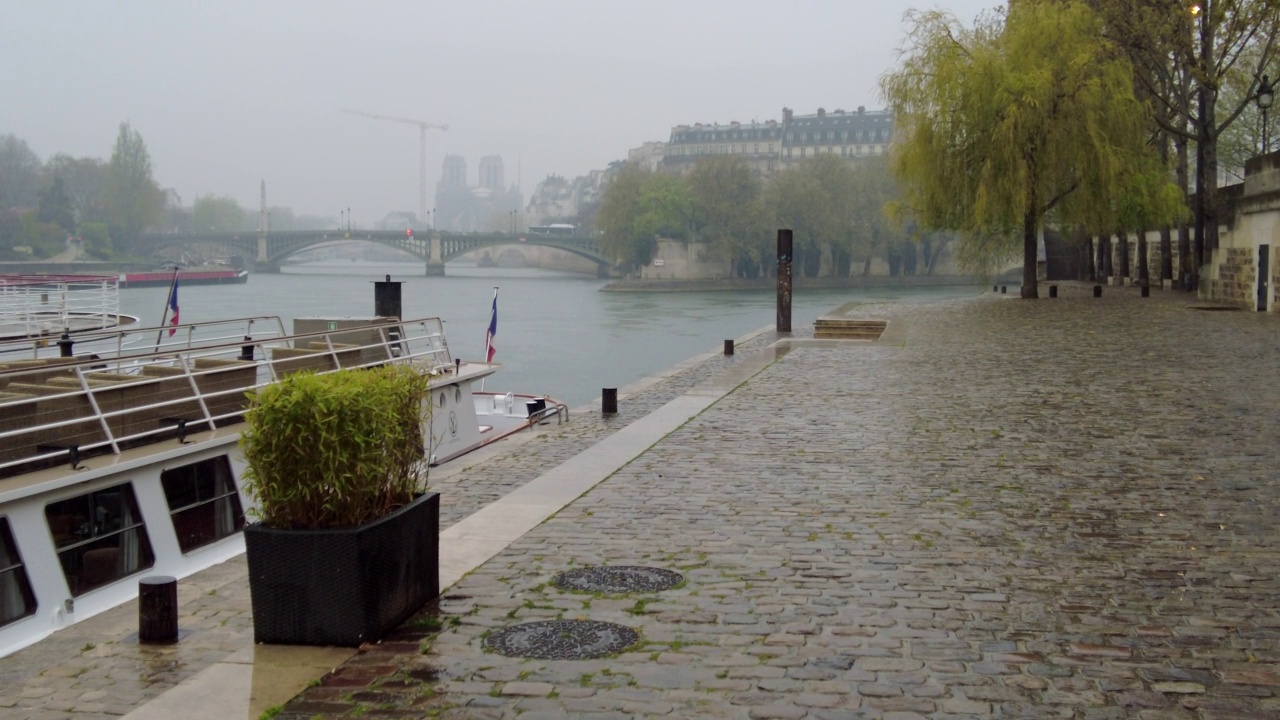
(1004, 289)
(728, 347)
(1146, 291)
(995, 288)
(1053, 291)
(609, 401)
(1097, 291)
(158, 609)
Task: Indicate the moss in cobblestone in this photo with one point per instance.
(87, 647)
(271, 712)
(584, 680)
(639, 607)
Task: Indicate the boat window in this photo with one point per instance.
(203, 502)
(16, 599)
(100, 537)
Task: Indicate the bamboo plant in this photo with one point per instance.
(337, 449)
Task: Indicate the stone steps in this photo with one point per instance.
(840, 329)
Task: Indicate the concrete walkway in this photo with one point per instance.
(1062, 508)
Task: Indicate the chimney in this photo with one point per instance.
(786, 116)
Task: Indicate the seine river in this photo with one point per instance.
(558, 335)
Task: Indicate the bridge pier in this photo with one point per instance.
(435, 269)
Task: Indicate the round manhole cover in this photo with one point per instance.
(615, 579)
(562, 640)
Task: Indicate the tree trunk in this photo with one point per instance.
(1166, 254)
(1099, 263)
(1029, 289)
(1125, 271)
(1144, 273)
(1108, 260)
(1091, 267)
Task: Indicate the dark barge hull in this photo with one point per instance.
(211, 277)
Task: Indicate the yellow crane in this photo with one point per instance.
(423, 126)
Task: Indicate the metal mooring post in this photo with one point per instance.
(728, 347)
(1053, 291)
(609, 401)
(158, 609)
(784, 281)
(1097, 291)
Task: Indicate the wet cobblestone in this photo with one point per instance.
(1033, 510)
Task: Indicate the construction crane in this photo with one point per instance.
(423, 126)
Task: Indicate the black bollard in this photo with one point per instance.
(728, 347)
(64, 344)
(995, 288)
(158, 609)
(1003, 289)
(1146, 291)
(1097, 291)
(246, 351)
(784, 282)
(609, 401)
(1053, 291)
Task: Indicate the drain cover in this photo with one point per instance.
(562, 640)
(616, 579)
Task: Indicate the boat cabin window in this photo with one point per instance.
(203, 502)
(99, 536)
(16, 599)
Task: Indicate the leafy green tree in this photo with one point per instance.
(96, 237)
(724, 195)
(875, 195)
(133, 200)
(815, 199)
(19, 173)
(638, 207)
(83, 180)
(55, 206)
(39, 239)
(217, 213)
(1026, 117)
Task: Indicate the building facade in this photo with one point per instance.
(771, 146)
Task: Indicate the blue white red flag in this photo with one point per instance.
(489, 349)
(173, 308)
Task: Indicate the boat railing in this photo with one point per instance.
(558, 410)
(64, 410)
(118, 342)
(34, 305)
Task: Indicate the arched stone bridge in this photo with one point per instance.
(269, 249)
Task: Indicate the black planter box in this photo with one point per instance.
(343, 586)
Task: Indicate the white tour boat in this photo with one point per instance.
(123, 462)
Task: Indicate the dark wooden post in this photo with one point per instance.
(784, 281)
(158, 609)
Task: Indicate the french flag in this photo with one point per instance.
(173, 307)
(489, 349)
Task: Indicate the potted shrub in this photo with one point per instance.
(346, 545)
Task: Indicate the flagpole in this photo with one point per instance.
(164, 318)
(488, 336)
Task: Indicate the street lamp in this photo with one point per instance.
(1265, 97)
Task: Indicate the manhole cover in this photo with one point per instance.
(616, 579)
(562, 640)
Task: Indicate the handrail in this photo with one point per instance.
(90, 405)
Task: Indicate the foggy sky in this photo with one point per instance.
(232, 92)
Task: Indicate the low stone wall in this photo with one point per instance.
(857, 281)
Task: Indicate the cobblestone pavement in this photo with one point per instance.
(96, 669)
(1058, 509)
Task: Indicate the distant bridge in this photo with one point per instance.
(269, 249)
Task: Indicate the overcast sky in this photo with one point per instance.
(232, 92)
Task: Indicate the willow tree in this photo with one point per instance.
(1030, 116)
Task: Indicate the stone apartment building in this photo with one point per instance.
(771, 146)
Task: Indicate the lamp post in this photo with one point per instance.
(348, 219)
(1265, 97)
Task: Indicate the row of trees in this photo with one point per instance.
(42, 205)
(1075, 112)
(101, 203)
(833, 208)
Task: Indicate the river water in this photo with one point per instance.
(558, 335)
